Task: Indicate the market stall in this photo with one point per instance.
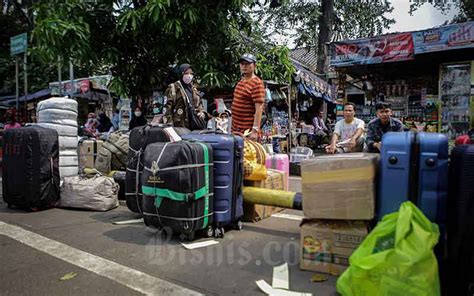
(426, 75)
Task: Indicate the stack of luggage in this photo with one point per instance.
(185, 182)
(60, 114)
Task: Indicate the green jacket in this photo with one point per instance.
(176, 106)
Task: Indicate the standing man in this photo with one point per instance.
(379, 126)
(347, 136)
(249, 97)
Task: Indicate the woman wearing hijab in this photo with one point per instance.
(179, 95)
(137, 119)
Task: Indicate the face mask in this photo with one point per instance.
(138, 113)
(187, 78)
(156, 110)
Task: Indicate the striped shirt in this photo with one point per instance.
(246, 94)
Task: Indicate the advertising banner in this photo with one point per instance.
(444, 38)
(380, 49)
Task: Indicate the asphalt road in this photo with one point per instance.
(57, 242)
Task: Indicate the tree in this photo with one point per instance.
(465, 8)
(137, 41)
(315, 23)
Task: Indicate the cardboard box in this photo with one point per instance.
(275, 180)
(88, 152)
(326, 245)
(340, 187)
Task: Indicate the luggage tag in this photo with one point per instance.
(174, 137)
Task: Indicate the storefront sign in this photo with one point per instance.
(381, 49)
(444, 38)
(81, 85)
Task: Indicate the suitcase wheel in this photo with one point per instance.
(219, 232)
(188, 236)
(210, 231)
(239, 225)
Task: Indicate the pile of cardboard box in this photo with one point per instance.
(338, 201)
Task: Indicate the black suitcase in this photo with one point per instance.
(140, 138)
(119, 178)
(177, 186)
(460, 222)
(31, 168)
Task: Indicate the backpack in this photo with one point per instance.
(112, 155)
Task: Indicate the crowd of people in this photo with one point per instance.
(183, 108)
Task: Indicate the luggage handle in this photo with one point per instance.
(205, 132)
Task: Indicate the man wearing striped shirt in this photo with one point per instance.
(249, 97)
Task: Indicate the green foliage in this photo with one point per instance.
(299, 19)
(138, 40)
(465, 8)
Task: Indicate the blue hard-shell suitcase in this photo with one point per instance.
(414, 166)
(228, 177)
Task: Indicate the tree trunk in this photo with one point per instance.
(325, 32)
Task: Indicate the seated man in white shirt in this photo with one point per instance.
(347, 136)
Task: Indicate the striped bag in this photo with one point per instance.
(254, 161)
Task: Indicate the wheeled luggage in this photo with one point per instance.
(228, 177)
(96, 193)
(119, 178)
(140, 138)
(414, 166)
(460, 222)
(177, 187)
(31, 167)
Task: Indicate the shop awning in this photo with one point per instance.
(30, 97)
(311, 85)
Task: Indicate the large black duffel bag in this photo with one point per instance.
(31, 167)
(177, 186)
(140, 138)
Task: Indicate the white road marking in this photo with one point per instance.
(132, 278)
(288, 216)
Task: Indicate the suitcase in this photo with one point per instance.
(119, 178)
(460, 224)
(88, 152)
(228, 178)
(279, 162)
(31, 168)
(140, 138)
(414, 166)
(177, 187)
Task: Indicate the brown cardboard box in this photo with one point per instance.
(88, 152)
(275, 180)
(339, 186)
(326, 245)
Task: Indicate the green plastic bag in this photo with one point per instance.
(396, 258)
